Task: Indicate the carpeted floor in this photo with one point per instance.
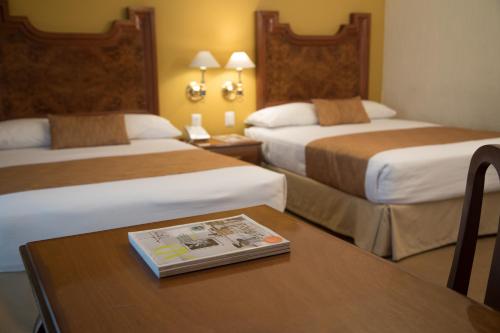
(17, 306)
(18, 310)
(434, 266)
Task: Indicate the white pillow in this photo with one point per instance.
(303, 114)
(24, 133)
(149, 126)
(35, 132)
(291, 114)
(378, 111)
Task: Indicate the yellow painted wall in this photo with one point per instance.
(184, 27)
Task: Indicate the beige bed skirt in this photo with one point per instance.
(385, 230)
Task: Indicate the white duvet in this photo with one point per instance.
(398, 176)
(41, 214)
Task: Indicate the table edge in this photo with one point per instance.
(45, 311)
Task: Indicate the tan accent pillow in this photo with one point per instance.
(71, 131)
(340, 111)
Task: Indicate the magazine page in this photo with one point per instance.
(203, 240)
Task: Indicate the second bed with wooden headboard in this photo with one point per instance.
(395, 186)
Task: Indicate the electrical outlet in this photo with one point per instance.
(196, 119)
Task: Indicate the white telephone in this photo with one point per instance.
(196, 133)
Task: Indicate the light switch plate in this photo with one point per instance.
(229, 118)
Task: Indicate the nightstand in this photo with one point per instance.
(246, 149)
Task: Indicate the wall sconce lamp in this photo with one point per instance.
(238, 61)
(204, 59)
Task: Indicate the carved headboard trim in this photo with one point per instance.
(113, 71)
(285, 59)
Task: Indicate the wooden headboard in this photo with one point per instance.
(54, 73)
(291, 67)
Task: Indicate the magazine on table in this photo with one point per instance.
(188, 247)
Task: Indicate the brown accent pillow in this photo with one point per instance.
(340, 111)
(71, 131)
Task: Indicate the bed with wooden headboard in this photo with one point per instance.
(84, 81)
(410, 204)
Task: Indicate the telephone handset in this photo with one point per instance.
(196, 133)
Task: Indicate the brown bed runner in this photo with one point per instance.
(106, 169)
(341, 161)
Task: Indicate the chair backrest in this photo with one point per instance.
(469, 226)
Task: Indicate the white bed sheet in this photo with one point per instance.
(398, 176)
(47, 213)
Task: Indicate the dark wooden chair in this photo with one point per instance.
(469, 226)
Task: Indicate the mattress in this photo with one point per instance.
(55, 212)
(397, 176)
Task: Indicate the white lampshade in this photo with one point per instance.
(204, 59)
(240, 60)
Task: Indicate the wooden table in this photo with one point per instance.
(97, 283)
